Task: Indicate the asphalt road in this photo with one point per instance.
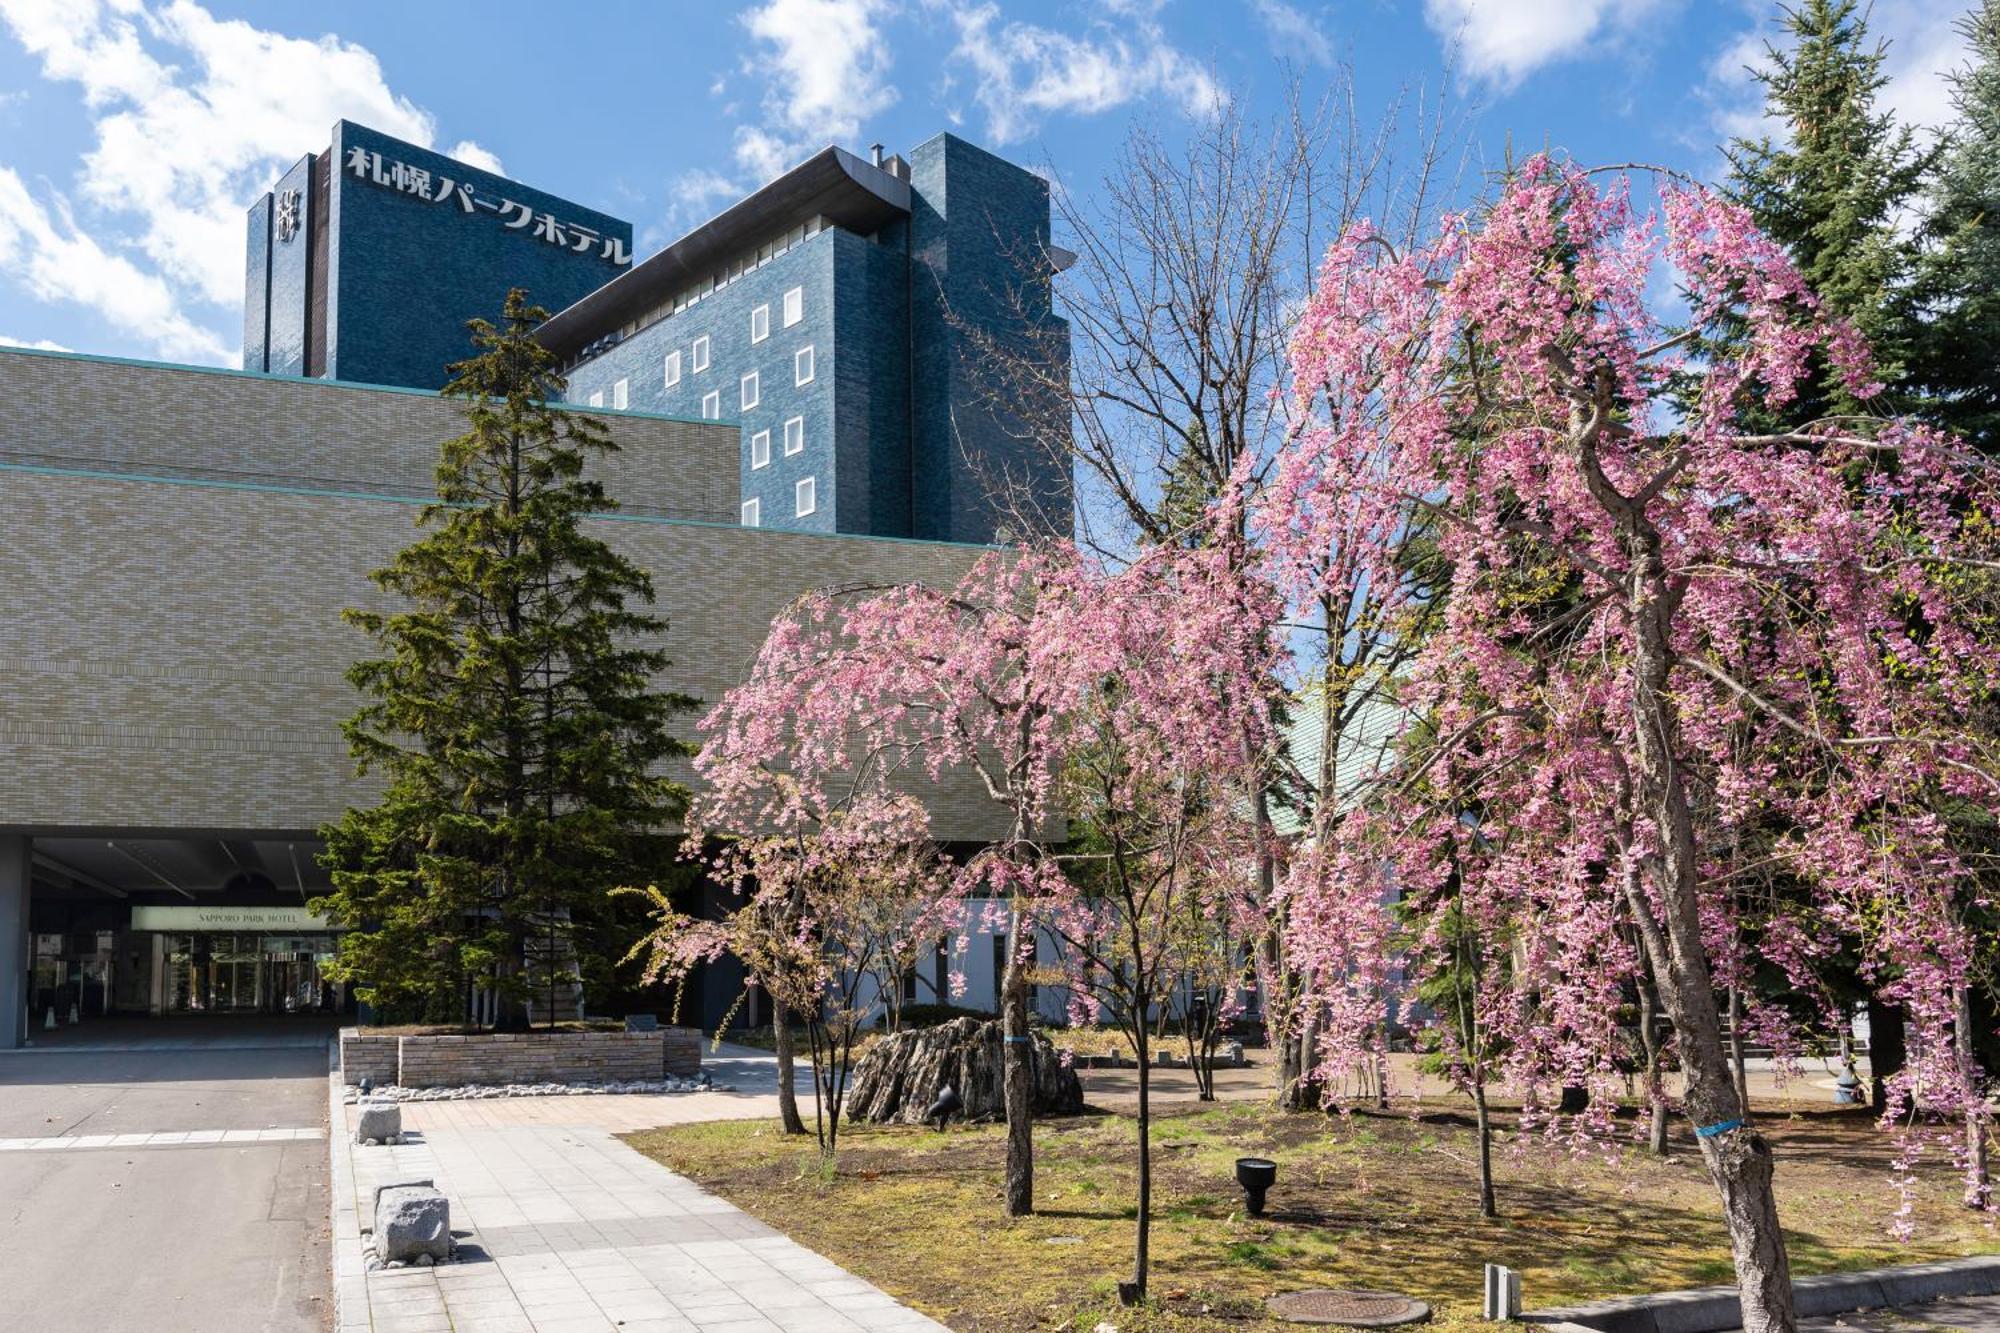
(214, 1237)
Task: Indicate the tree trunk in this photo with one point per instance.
(1736, 1061)
(1020, 1080)
(1656, 1093)
(1885, 1049)
(1488, 1205)
(1978, 1187)
(1302, 1092)
(788, 1093)
(1134, 1292)
(1737, 1157)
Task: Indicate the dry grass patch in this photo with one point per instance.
(1384, 1202)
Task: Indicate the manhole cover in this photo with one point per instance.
(1353, 1309)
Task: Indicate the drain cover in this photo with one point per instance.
(1352, 1309)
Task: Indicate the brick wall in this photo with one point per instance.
(118, 416)
(175, 653)
(549, 1057)
(368, 1055)
(681, 1049)
(528, 1057)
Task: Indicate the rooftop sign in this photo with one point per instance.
(421, 184)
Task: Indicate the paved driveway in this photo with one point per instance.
(177, 1185)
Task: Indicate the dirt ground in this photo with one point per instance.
(1378, 1201)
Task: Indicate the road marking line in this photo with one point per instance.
(164, 1139)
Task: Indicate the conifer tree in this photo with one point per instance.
(1959, 283)
(1831, 188)
(512, 710)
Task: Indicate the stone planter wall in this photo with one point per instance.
(682, 1054)
(525, 1057)
(528, 1057)
(367, 1055)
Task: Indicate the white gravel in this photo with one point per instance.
(490, 1091)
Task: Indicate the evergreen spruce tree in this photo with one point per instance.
(512, 711)
(1832, 189)
(1958, 289)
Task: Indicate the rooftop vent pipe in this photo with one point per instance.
(875, 151)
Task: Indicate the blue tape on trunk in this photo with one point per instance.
(1023, 1040)
(1710, 1131)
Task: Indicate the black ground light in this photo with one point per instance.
(1255, 1175)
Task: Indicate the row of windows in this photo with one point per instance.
(750, 389)
(794, 305)
(760, 443)
(748, 263)
(805, 499)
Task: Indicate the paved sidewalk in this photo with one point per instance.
(562, 1227)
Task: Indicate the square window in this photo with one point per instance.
(760, 323)
(802, 365)
(711, 405)
(795, 436)
(804, 500)
(597, 398)
(698, 354)
(621, 394)
(673, 367)
(753, 516)
(795, 306)
(750, 390)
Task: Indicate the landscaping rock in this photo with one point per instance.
(378, 1122)
(1231, 1054)
(901, 1075)
(412, 1222)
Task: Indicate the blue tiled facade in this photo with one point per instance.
(905, 435)
(723, 318)
(291, 271)
(414, 244)
(257, 286)
(908, 276)
(979, 242)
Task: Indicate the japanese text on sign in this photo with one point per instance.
(437, 188)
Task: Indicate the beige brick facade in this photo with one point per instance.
(173, 646)
(75, 412)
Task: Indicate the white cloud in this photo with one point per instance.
(827, 66)
(38, 344)
(470, 153)
(194, 117)
(1504, 41)
(1024, 72)
(1293, 32)
(56, 261)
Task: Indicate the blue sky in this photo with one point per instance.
(133, 134)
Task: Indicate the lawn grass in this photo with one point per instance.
(1375, 1202)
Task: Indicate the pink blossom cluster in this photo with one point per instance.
(1506, 390)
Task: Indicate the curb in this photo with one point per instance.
(1711, 1309)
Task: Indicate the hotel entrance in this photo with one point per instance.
(238, 960)
(211, 972)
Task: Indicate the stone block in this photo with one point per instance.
(378, 1122)
(1231, 1054)
(412, 1223)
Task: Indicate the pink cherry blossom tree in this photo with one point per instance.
(1657, 629)
(1060, 689)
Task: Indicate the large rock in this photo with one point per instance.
(902, 1074)
(378, 1122)
(412, 1222)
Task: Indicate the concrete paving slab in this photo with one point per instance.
(127, 1210)
(562, 1227)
